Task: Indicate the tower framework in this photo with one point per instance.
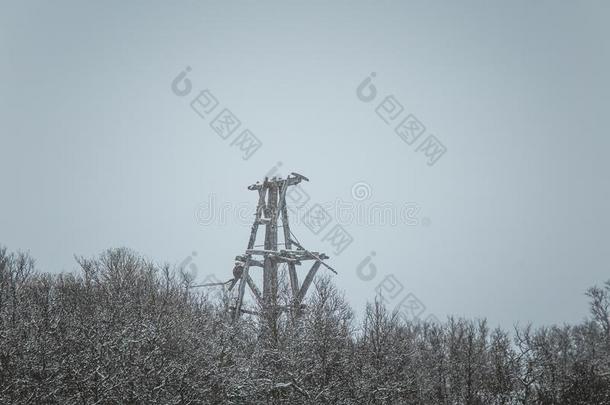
(270, 211)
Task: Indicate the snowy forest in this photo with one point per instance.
(124, 330)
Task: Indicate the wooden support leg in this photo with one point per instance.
(255, 290)
(270, 265)
(259, 208)
(307, 282)
(242, 289)
(292, 272)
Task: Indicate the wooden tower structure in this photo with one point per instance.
(272, 214)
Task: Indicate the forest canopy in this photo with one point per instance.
(126, 330)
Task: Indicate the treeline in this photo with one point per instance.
(127, 331)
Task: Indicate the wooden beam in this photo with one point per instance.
(293, 254)
(254, 289)
(242, 288)
(270, 264)
(290, 180)
(316, 255)
(308, 279)
(292, 272)
(259, 207)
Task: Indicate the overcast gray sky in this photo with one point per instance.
(511, 222)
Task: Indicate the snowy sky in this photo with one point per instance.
(510, 223)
